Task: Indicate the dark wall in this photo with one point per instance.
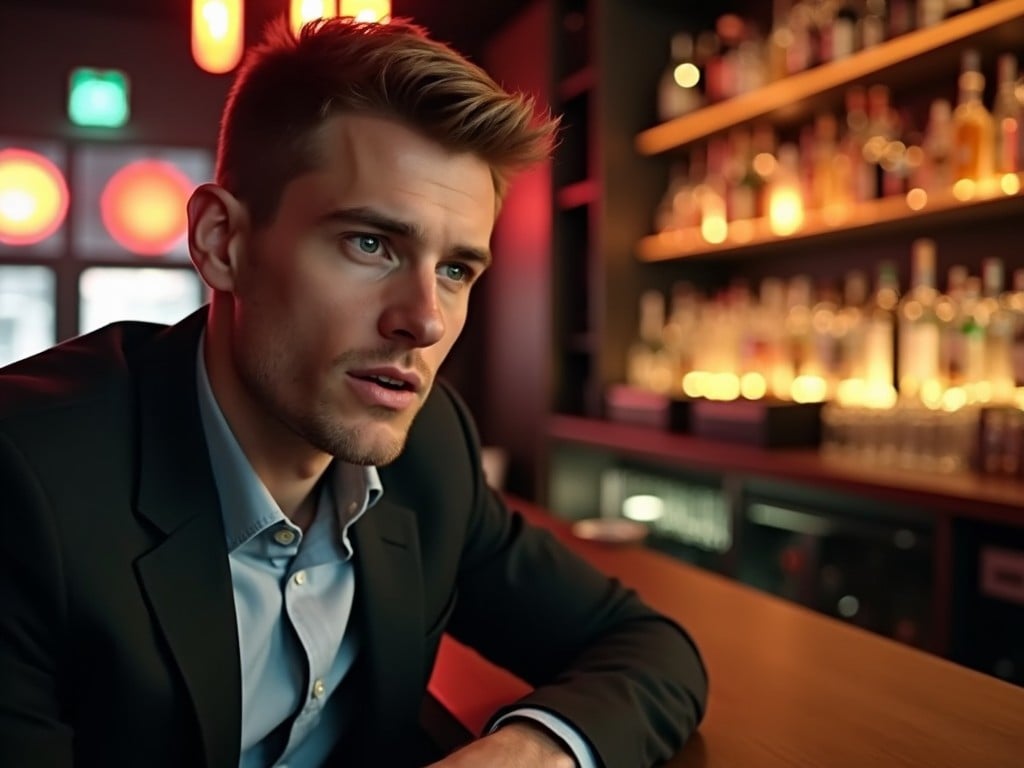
(515, 360)
(172, 100)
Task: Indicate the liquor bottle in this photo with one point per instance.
(648, 365)
(952, 309)
(1007, 115)
(900, 18)
(972, 124)
(849, 327)
(826, 183)
(744, 185)
(680, 87)
(919, 335)
(763, 164)
(872, 26)
(825, 335)
(1017, 309)
(972, 325)
(785, 193)
(998, 333)
(862, 180)
(880, 133)
(930, 12)
(935, 173)
(711, 194)
(681, 330)
(879, 339)
(840, 38)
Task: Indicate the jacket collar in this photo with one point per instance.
(187, 578)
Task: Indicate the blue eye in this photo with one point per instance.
(460, 273)
(368, 244)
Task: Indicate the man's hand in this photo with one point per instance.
(520, 744)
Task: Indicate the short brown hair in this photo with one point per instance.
(288, 85)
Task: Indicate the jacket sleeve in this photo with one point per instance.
(32, 731)
(627, 678)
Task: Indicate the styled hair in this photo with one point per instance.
(288, 85)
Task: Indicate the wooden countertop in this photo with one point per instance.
(788, 687)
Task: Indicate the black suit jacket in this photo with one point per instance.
(118, 642)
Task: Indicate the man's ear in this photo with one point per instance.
(217, 228)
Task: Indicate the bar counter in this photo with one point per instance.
(789, 687)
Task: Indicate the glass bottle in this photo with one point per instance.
(648, 365)
(1006, 116)
(680, 86)
(998, 333)
(972, 124)
(919, 335)
(880, 338)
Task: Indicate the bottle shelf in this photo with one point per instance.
(902, 61)
(962, 494)
(998, 197)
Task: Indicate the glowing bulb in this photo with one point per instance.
(369, 11)
(917, 199)
(302, 12)
(217, 34)
(964, 189)
(785, 210)
(686, 75)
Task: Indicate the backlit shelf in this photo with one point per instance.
(997, 197)
(904, 60)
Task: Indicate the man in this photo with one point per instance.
(238, 540)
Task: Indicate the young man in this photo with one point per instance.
(238, 540)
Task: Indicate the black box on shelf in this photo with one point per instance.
(764, 423)
(632, 405)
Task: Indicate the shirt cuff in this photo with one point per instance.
(572, 739)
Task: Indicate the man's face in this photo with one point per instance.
(347, 303)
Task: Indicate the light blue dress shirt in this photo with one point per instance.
(293, 602)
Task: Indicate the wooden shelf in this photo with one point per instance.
(901, 61)
(967, 495)
(891, 214)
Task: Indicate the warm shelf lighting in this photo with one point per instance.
(301, 12)
(217, 34)
(374, 11)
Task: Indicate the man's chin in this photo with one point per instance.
(378, 449)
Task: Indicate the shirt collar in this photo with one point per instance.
(246, 505)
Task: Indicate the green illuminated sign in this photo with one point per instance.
(98, 97)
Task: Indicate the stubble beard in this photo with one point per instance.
(320, 425)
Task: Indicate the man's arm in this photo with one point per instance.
(625, 677)
(31, 623)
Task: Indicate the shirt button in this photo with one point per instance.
(299, 578)
(319, 688)
(353, 507)
(284, 537)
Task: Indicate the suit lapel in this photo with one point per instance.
(186, 578)
(390, 611)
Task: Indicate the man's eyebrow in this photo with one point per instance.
(390, 225)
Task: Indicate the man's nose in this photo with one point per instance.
(412, 314)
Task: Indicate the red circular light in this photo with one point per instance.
(143, 206)
(33, 197)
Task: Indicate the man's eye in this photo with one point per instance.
(368, 244)
(459, 273)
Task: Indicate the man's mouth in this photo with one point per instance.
(387, 382)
